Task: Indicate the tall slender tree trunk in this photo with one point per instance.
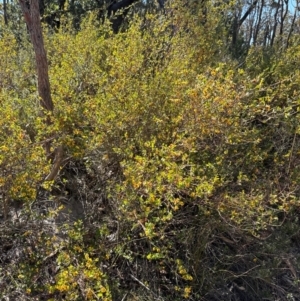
(5, 12)
(30, 9)
(257, 26)
(274, 30)
(31, 14)
(292, 25)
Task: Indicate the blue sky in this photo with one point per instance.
(292, 4)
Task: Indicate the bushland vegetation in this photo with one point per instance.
(173, 149)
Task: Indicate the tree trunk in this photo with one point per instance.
(275, 25)
(258, 24)
(292, 25)
(5, 12)
(31, 14)
(30, 9)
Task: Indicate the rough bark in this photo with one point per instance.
(31, 14)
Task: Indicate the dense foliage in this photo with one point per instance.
(180, 173)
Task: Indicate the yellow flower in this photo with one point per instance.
(187, 291)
